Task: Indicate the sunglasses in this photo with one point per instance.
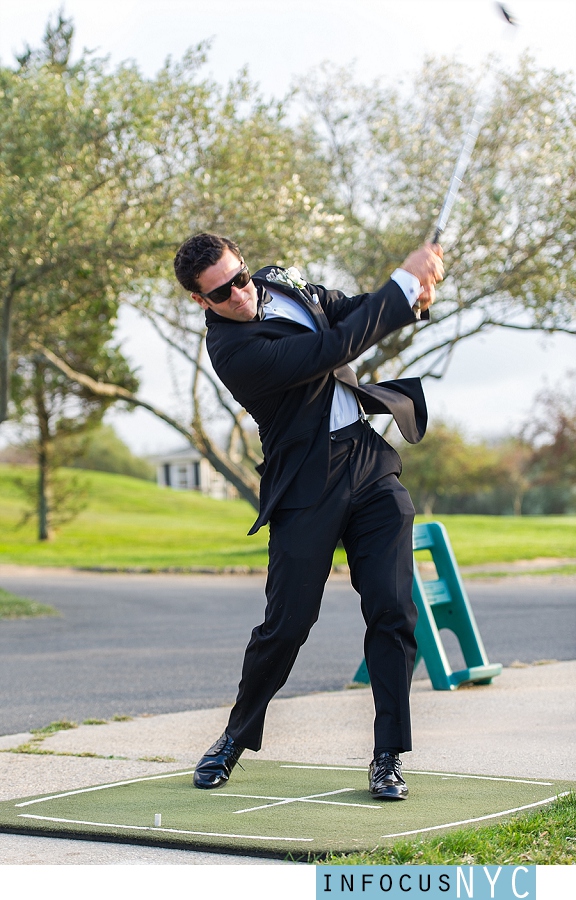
(222, 293)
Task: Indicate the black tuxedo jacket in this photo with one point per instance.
(284, 375)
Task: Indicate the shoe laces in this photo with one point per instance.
(390, 764)
(220, 745)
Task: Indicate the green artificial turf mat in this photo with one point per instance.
(274, 809)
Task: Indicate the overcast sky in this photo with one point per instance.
(492, 379)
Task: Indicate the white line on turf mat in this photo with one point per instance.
(283, 801)
(479, 777)
(253, 837)
(102, 787)
(505, 812)
(326, 768)
(417, 772)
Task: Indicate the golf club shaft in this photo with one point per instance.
(462, 161)
(456, 181)
(460, 167)
(468, 144)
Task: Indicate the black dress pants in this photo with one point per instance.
(373, 515)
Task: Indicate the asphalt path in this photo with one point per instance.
(135, 644)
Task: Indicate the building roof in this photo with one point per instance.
(176, 457)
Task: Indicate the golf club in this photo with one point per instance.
(463, 159)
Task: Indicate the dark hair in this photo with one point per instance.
(198, 253)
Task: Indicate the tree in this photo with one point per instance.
(551, 430)
(105, 173)
(509, 247)
(446, 465)
(58, 408)
(92, 164)
(515, 466)
(69, 230)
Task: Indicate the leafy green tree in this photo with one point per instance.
(91, 167)
(56, 409)
(515, 467)
(104, 173)
(69, 231)
(446, 465)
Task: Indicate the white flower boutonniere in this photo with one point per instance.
(291, 277)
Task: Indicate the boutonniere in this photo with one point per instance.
(291, 277)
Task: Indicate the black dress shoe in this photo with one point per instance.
(385, 776)
(213, 770)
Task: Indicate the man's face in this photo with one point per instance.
(242, 304)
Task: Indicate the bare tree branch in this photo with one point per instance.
(236, 414)
(246, 485)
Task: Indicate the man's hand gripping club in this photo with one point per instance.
(426, 264)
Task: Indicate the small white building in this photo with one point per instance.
(187, 470)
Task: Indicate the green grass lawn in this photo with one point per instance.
(134, 523)
(130, 522)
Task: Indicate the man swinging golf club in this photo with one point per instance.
(282, 347)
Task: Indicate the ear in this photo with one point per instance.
(200, 300)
